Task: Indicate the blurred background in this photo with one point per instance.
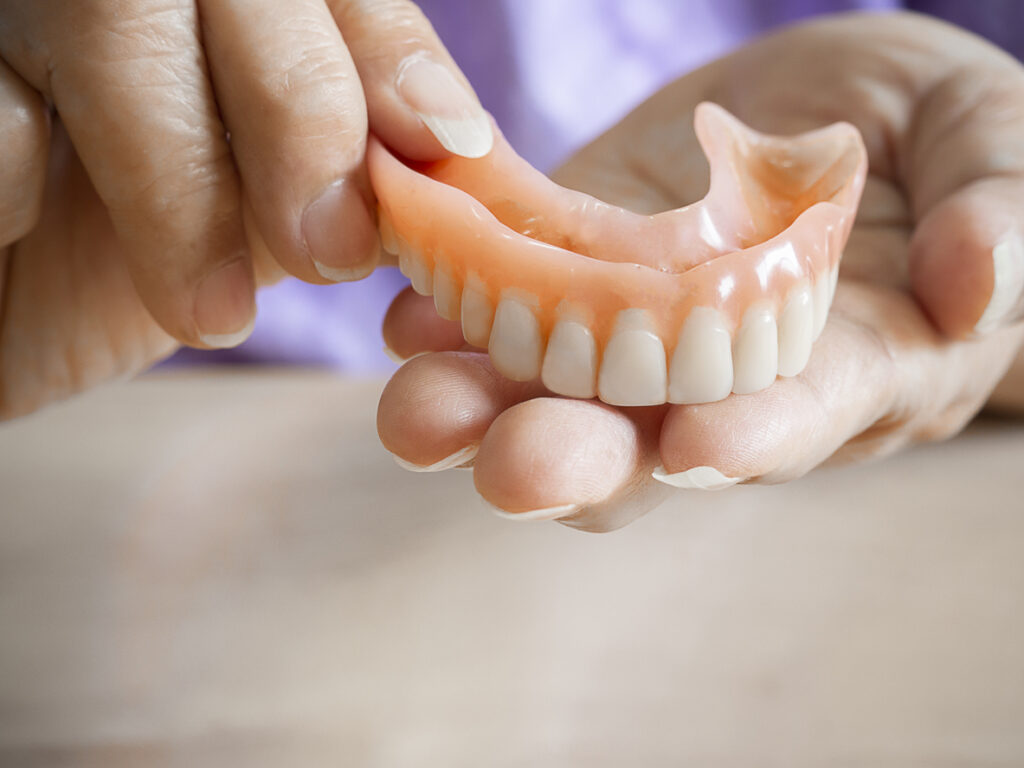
(220, 565)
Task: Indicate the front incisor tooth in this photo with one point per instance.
(755, 354)
(820, 295)
(633, 370)
(515, 345)
(477, 313)
(415, 268)
(446, 294)
(702, 361)
(796, 331)
(570, 363)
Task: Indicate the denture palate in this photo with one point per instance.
(686, 306)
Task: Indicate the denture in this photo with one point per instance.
(686, 306)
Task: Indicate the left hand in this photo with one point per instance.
(942, 114)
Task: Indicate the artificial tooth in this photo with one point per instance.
(755, 354)
(570, 363)
(820, 296)
(413, 267)
(833, 281)
(515, 345)
(702, 362)
(633, 370)
(477, 313)
(446, 294)
(796, 331)
(388, 238)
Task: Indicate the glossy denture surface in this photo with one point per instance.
(684, 306)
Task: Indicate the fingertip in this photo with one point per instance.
(339, 233)
(967, 260)
(436, 405)
(225, 305)
(556, 454)
(412, 326)
(445, 105)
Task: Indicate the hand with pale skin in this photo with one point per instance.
(923, 325)
(160, 159)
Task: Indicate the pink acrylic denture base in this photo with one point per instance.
(778, 213)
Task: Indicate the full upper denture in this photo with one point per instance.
(684, 306)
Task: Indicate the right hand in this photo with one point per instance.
(194, 150)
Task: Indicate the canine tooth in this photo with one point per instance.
(446, 294)
(755, 354)
(477, 314)
(796, 331)
(515, 345)
(570, 363)
(820, 295)
(633, 370)
(388, 238)
(702, 361)
(413, 267)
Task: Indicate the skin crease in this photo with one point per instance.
(881, 377)
(129, 222)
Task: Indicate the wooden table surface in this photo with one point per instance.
(225, 568)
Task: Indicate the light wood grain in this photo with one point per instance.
(226, 569)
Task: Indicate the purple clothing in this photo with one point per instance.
(554, 75)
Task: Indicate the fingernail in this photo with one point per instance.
(449, 462)
(340, 234)
(397, 358)
(1005, 305)
(446, 107)
(224, 308)
(547, 513)
(698, 478)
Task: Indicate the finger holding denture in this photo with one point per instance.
(687, 306)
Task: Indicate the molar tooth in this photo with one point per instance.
(633, 369)
(702, 360)
(516, 346)
(755, 354)
(820, 295)
(477, 313)
(796, 331)
(388, 238)
(570, 363)
(446, 294)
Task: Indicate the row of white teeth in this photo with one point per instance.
(707, 362)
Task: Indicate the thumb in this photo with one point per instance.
(966, 180)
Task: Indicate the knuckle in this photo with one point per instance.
(398, 20)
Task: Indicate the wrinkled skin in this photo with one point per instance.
(942, 114)
(130, 221)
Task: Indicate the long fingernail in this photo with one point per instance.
(546, 513)
(446, 107)
(698, 478)
(225, 308)
(463, 456)
(340, 234)
(1005, 305)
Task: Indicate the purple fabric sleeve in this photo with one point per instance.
(554, 75)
